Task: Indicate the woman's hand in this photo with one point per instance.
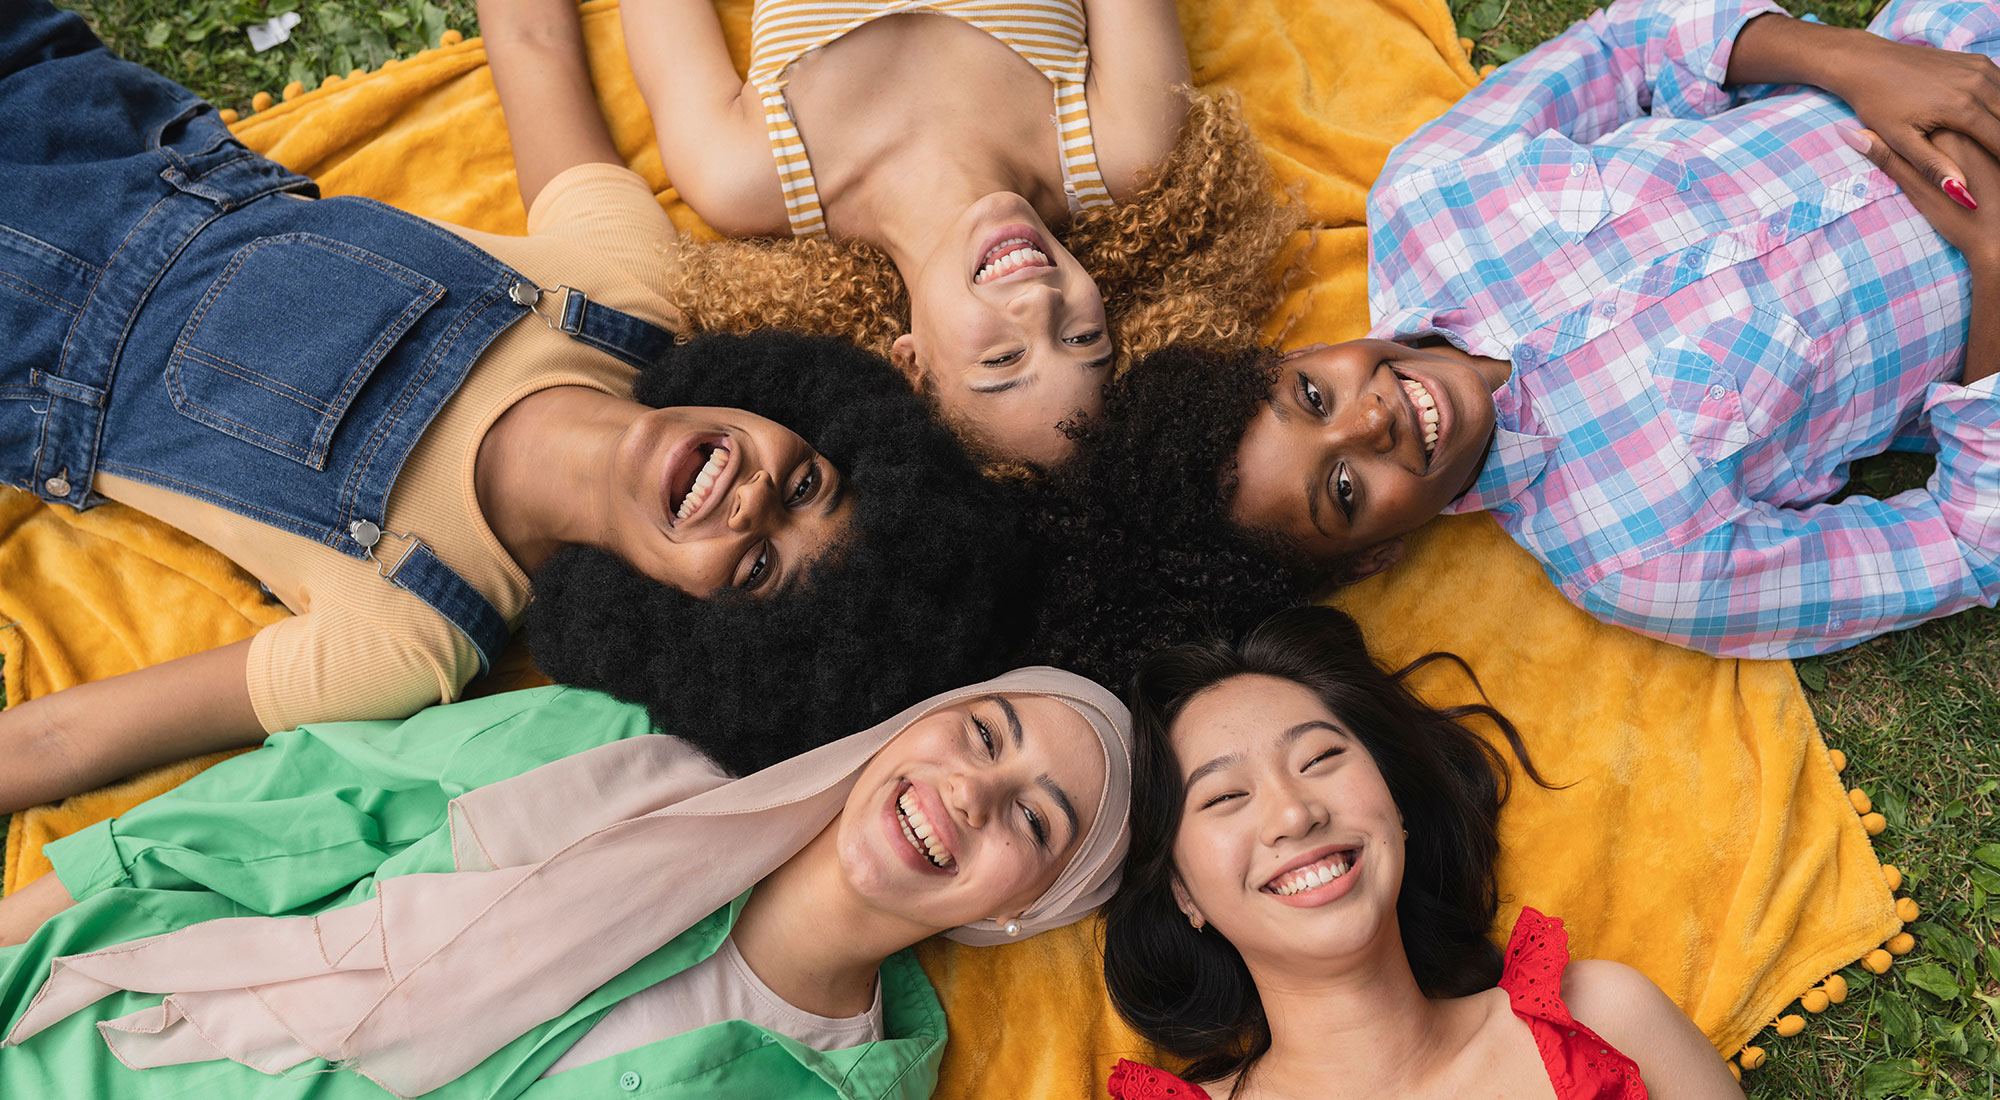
(1905, 93)
(1976, 233)
(30, 907)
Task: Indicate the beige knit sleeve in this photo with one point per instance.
(337, 664)
(609, 210)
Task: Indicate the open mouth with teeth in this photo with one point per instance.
(1313, 875)
(697, 477)
(1018, 249)
(918, 832)
(1427, 412)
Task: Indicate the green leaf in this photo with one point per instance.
(1812, 673)
(1504, 52)
(1899, 1020)
(1989, 854)
(1985, 789)
(1900, 1077)
(1953, 810)
(393, 19)
(156, 34)
(1984, 879)
(1934, 979)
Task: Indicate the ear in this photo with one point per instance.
(903, 354)
(1185, 902)
(1376, 558)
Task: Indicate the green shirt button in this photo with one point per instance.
(628, 1081)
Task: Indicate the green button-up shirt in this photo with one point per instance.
(309, 823)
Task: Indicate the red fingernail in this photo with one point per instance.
(1959, 194)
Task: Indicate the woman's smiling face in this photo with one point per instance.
(707, 499)
(973, 810)
(1361, 443)
(1290, 845)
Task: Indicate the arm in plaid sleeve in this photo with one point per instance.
(1783, 582)
(1640, 57)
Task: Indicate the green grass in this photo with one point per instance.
(1917, 713)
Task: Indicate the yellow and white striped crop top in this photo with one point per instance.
(1048, 34)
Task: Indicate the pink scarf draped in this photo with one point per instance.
(567, 875)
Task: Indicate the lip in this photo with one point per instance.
(684, 464)
(935, 816)
(1007, 232)
(1444, 410)
(1318, 895)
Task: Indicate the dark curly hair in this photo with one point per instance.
(1140, 552)
(930, 589)
(1189, 992)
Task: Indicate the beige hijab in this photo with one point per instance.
(567, 876)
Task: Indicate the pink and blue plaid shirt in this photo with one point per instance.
(1712, 305)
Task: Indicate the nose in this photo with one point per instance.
(970, 795)
(1366, 423)
(1035, 304)
(754, 504)
(1290, 812)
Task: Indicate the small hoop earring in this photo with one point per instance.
(1012, 927)
(1195, 922)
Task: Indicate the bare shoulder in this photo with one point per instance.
(1631, 1013)
(722, 165)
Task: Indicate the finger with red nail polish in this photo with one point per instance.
(1959, 194)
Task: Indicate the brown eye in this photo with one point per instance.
(760, 568)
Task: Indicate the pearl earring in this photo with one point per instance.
(1012, 927)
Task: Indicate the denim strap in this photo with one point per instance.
(639, 343)
(429, 579)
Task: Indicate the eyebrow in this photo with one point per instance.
(1002, 387)
(1228, 760)
(1061, 800)
(1013, 718)
(833, 498)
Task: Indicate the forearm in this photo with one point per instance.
(28, 908)
(86, 736)
(536, 51)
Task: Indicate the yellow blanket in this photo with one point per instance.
(1706, 839)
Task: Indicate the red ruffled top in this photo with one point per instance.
(1581, 1066)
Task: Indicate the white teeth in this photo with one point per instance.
(1009, 256)
(1314, 876)
(1427, 409)
(917, 830)
(703, 482)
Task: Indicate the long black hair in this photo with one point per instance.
(1189, 992)
(932, 586)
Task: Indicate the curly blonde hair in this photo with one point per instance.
(1191, 258)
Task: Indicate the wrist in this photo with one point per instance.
(1774, 48)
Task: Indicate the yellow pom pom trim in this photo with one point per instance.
(1902, 943)
(1907, 910)
(1466, 45)
(1751, 1057)
(1789, 1026)
(1815, 1001)
(1836, 988)
(1892, 876)
(228, 116)
(1874, 824)
(1486, 71)
(358, 71)
(1859, 798)
(262, 101)
(450, 38)
(1838, 759)
(332, 81)
(1878, 961)
(1733, 1071)
(294, 89)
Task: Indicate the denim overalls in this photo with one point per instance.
(169, 314)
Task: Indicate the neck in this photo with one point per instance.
(808, 938)
(1319, 1020)
(541, 473)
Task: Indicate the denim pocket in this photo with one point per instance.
(42, 289)
(286, 337)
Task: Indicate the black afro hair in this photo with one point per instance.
(930, 589)
(1141, 553)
